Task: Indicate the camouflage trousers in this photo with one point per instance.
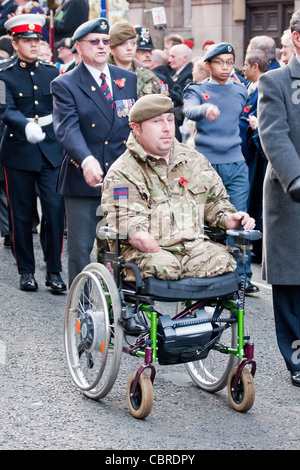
(205, 259)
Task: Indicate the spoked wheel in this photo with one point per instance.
(211, 373)
(92, 333)
(243, 398)
(140, 403)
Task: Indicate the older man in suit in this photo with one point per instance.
(91, 122)
(279, 124)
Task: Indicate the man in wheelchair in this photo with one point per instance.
(159, 194)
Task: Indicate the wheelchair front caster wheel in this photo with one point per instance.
(140, 403)
(243, 397)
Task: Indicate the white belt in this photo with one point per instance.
(42, 121)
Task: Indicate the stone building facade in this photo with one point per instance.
(235, 21)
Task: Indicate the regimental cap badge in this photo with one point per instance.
(144, 38)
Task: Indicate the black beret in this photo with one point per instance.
(217, 49)
(98, 25)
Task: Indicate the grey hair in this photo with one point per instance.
(295, 22)
(266, 44)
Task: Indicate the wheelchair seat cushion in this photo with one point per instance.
(189, 288)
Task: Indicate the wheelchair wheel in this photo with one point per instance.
(92, 334)
(140, 403)
(211, 374)
(243, 398)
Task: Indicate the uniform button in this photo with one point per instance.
(11, 135)
(106, 142)
(93, 125)
(32, 73)
(36, 102)
(20, 94)
(35, 87)
(106, 164)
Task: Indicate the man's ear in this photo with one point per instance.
(136, 128)
(296, 38)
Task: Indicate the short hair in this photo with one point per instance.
(266, 44)
(257, 56)
(295, 22)
(174, 39)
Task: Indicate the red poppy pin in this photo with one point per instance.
(120, 82)
(247, 109)
(183, 182)
(205, 96)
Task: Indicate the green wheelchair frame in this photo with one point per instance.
(94, 338)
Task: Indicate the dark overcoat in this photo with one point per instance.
(279, 129)
(85, 124)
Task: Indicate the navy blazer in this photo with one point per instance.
(85, 124)
(25, 93)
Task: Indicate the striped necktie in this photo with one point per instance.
(106, 91)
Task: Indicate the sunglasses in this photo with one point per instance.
(96, 42)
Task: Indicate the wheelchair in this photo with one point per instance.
(206, 333)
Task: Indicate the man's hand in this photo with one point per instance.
(240, 218)
(144, 242)
(92, 172)
(212, 112)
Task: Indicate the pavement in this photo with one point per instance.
(41, 408)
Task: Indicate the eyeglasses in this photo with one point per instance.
(221, 63)
(96, 42)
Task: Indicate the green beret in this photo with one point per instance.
(217, 49)
(121, 32)
(98, 25)
(150, 106)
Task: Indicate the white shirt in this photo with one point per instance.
(96, 74)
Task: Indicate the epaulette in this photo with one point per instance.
(7, 63)
(45, 62)
(4, 67)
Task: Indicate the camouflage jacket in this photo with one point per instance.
(147, 81)
(171, 200)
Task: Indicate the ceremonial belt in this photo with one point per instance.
(42, 120)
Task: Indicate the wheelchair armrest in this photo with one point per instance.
(243, 236)
(137, 275)
(105, 232)
(215, 233)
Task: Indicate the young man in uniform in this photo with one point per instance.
(30, 153)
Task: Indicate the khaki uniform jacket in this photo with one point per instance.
(171, 200)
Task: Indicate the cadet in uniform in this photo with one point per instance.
(123, 48)
(159, 193)
(30, 153)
